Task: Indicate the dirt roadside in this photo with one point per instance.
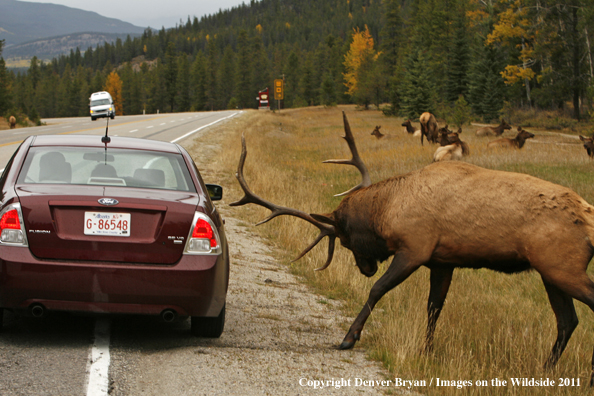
(279, 338)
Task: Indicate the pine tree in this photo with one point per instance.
(171, 74)
(198, 82)
(5, 88)
(417, 91)
(183, 84)
(243, 76)
(458, 61)
(225, 78)
(486, 87)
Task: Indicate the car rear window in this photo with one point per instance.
(114, 167)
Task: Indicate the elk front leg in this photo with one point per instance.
(440, 281)
(397, 273)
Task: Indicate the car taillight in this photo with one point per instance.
(11, 225)
(203, 238)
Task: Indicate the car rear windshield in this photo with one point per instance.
(114, 167)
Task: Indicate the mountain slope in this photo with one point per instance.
(22, 22)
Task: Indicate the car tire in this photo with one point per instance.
(208, 327)
(112, 116)
(93, 118)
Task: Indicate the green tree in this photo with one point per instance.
(458, 61)
(170, 74)
(486, 87)
(198, 82)
(417, 90)
(183, 83)
(243, 76)
(225, 78)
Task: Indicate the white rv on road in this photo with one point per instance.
(101, 105)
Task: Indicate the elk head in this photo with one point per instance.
(376, 132)
(588, 145)
(342, 223)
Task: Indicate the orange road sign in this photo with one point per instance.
(279, 89)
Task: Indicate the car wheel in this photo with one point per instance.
(208, 327)
(93, 118)
(112, 116)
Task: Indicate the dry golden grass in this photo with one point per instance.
(493, 325)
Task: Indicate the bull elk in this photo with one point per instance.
(588, 145)
(517, 142)
(497, 131)
(428, 127)
(503, 221)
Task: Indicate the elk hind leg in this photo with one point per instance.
(400, 269)
(577, 285)
(567, 321)
(440, 280)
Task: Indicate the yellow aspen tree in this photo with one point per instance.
(513, 29)
(113, 85)
(361, 48)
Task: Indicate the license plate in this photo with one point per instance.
(111, 224)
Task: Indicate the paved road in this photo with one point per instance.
(165, 127)
(54, 356)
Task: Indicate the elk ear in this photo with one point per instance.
(582, 138)
(325, 218)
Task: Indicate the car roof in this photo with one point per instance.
(95, 141)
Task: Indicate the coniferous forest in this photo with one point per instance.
(403, 56)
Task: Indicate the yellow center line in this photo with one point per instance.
(82, 130)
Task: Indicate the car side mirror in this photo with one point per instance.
(215, 192)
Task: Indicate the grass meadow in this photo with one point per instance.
(493, 325)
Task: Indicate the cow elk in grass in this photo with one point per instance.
(588, 145)
(517, 142)
(429, 127)
(452, 148)
(376, 132)
(451, 215)
(410, 129)
(497, 131)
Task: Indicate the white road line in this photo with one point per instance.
(149, 127)
(162, 124)
(99, 360)
(134, 130)
(202, 127)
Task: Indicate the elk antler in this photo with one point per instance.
(250, 197)
(355, 160)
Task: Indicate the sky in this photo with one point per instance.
(153, 13)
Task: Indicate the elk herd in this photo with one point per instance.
(451, 147)
(504, 221)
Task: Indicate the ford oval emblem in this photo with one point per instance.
(108, 201)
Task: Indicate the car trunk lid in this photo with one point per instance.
(149, 226)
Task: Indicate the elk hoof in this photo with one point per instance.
(346, 345)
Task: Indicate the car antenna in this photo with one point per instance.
(106, 139)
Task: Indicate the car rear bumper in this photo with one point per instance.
(195, 286)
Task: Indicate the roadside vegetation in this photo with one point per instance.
(493, 325)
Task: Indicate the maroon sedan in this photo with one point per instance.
(126, 226)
